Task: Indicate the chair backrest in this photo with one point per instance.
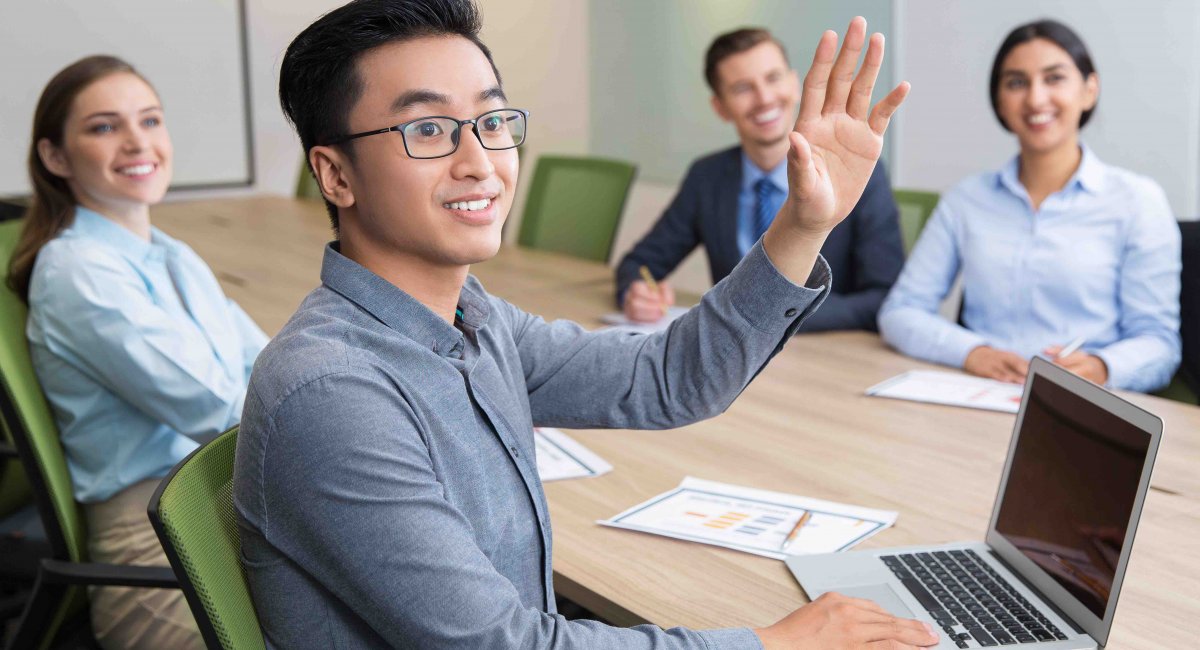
(306, 185)
(1189, 303)
(915, 208)
(192, 512)
(27, 418)
(574, 205)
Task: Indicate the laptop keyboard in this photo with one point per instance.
(970, 600)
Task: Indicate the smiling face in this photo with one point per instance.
(1042, 95)
(115, 153)
(757, 93)
(444, 212)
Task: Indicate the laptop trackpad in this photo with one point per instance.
(881, 594)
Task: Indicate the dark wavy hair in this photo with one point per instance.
(53, 205)
(730, 43)
(1050, 30)
(319, 82)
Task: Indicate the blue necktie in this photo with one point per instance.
(764, 212)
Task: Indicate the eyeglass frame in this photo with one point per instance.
(399, 128)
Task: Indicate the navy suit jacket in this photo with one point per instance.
(864, 252)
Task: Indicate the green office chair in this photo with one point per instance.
(192, 512)
(574, 205)
(306, 185)
(915, 208)
(58, 592)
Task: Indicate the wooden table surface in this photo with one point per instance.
(803, 427)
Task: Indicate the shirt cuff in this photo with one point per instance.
(957, 344)
(731, 638)
(768, 300)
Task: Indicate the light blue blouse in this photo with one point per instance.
(138, 350)
(1099, 259)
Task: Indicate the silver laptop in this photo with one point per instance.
(1049, 571)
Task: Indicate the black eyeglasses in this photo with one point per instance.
(438, 136)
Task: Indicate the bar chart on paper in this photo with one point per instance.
(754, 521)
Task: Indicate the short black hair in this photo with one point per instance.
(319, 82)
(1050, 30)
(735, 42)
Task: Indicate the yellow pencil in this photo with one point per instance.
(796, 529)
(649, 280)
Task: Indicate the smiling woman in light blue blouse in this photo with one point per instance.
(139, 352)
(1055, 247)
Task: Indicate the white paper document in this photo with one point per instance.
(560, 456)
(754, 521)
(952, 389)
(619, 321)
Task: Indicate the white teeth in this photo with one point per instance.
(136, 170)
(1040, 118)
(763, 118)
(469, 206)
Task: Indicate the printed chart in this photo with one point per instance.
(952, 389)
(560, 457)
(754, 521)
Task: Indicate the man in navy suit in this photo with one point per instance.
(730, 197)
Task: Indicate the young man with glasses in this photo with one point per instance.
(385, 478)
(729, 198)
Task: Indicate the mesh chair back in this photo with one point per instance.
(574, 205)
(915, 208)
(28, 419)
(192, 512)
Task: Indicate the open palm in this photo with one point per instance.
(838, 138)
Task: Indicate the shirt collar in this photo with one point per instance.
(751, 174)
(395, 308)
(1089, 176)
(95, 226)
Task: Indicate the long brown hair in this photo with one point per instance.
(53, 206)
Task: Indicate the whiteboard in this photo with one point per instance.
(192, 51)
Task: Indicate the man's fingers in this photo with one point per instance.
(859, 104)
(883, 111)
(904, 631)
(817, 79)
(801, 171)
(668, 293)
(842, 74)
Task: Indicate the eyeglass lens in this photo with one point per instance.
(439, 136)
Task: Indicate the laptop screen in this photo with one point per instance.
(1071, 489)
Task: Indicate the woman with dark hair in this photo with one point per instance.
(139, 352)
(1060, 253)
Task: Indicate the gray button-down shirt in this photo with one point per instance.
(385, 480)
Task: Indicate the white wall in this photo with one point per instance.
(1148, 118)
(531, 40)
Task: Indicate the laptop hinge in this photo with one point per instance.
(1049, 603)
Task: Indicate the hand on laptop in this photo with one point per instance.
(837, 621)
(1003, 365)
(645, 305)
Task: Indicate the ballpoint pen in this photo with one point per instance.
(648, 278)
(1069, 348)
(796, 529)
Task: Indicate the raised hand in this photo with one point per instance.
(838, 137)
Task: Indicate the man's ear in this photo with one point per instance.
(331, 167)
(53, 158)
(718, 107)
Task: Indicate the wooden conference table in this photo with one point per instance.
(803, 427)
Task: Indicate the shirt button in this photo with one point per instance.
(791, 313)
(514, 451)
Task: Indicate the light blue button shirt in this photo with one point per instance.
(137, 349)
(747, 196)
(1100, 259)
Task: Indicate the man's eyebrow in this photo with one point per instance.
(495, 92)
(419, 96)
